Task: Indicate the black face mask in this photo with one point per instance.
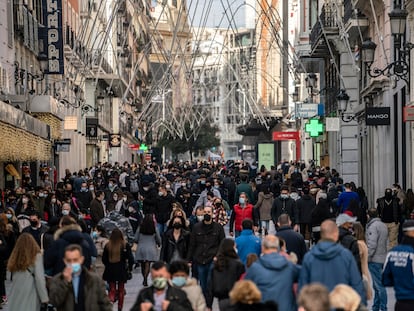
(33, 223)
(388, 195)
(207, 217)
(177, 225)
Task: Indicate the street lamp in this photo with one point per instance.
(400, 67)
(343, 99)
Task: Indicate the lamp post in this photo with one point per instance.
(400, 67)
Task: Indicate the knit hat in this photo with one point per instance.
(408, 225)
(344, 218)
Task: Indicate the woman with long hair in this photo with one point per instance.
(359, 234)
(28, 290)
(227, 270)
(147, 238)
(175, 241)
(118, 260)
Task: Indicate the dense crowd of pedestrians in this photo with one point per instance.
(299, 238)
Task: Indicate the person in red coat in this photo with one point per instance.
(242, 210)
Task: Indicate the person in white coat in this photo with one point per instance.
(28, 291)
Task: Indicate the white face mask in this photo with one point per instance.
(200, 218)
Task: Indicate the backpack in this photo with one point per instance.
(133, 187)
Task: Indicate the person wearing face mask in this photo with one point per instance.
(241, 211)
(175, 241)
(75, 288)
(53, 207)
(149, 197)
(164, 208)
(24, 205)
(111, 189)
(100, 239)
(245, 187)
(97, 208)
(284, 204)
(160, 296)
(389, 211)
(36, 228)
(180, 278)
(205, 240)
(203, 198)
(84, 196)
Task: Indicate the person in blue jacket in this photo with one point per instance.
(247, 243)
(274, 275)
(330, 264)
(399, 269)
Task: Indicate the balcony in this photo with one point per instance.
(355, 23)
(326, 25)
(74, 50)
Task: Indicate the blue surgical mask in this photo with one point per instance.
(9, 216)
(94, 235)
(65, 212)
(242, 200)
(179, 281)
(76, 267)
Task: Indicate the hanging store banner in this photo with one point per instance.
(92, 127)
(378, 116)
(52, 36)
(114, 140)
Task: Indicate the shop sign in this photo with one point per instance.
(114, 140)
(378, 116)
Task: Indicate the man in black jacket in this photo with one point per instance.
(294, 241)
(163, 209)
(284, 204)
(389, 211)
(205, 240)
(174, 299)
(305, 205)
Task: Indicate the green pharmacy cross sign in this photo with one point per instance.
(314, 127)
(143, 147)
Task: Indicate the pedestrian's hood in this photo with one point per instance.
(273, 261)
(326, 250)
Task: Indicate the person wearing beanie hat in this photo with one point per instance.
(399, 269)
(344, 223)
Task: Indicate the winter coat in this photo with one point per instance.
(247, 243)
(239, 214)
(320, 213)
(194, 294)
(284, 206)
(221, 282)
(53, 256)
(164, 208)
(389, 216)
(177, 298)
(305, 206)
(171, 248)
(331, 264)
(246, 188)
(118, 271)
(204, 242)
(97, 211)
(147, 246)
(274, 275)
(28, 289)
(95, 298)
(376, 236)
(264, 205)
(398, 269)
(294, 241)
